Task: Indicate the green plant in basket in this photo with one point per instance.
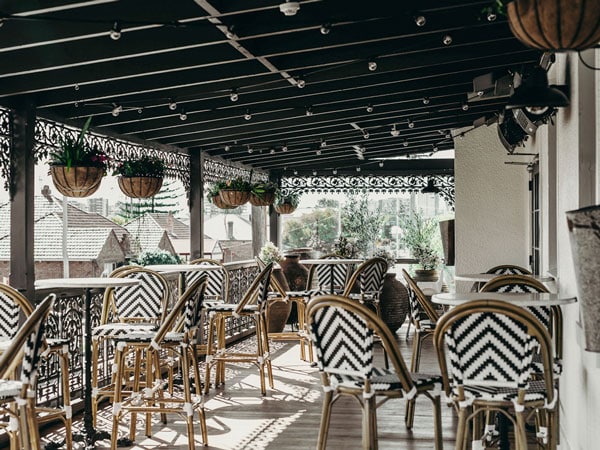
(237, 184)
(292, 199)
(143, 166)
(263, 188)
(214, 189)
(75, 152)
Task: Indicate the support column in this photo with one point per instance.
(196, 202)
(22, 190)
(259, 230)
(274, 226)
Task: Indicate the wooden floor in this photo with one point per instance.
(288, 417)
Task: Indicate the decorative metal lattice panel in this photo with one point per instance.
(218, 170)
(5, 146)
(354, 184)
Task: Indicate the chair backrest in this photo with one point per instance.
(509, 269)
(422, 312)
(549, 316)
(12, 302)
(28, 343)
(144, 302)
(218, 280)
(369, 277)
(490, 343)
(342, 332)
(258, 292)
(321, 274)
(276, 287)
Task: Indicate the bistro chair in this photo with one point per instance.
(278, 294)
(217, 287)
(17, 397)
(504, 269)
(322, 276)
(127, 310)
(148, 393)
(367, 279)
(253, 307)
(485, 349)
(12, 305)
(343, 334)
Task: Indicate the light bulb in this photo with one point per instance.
(300, 83)
(370, 108)
(227, 148)
(284, 148)
(116, 110)
(447, 39)
(411, 124)
(334, 171)
(491, 16)
(247, 116)
(172, 105)
(380, 163)
(325, 28)
(182, 115)
(272, 151)
(372, 66)
(464, 106)
(420, 21)
(323, 143)
(309, 111)
(139, 110)
(314, 172)
(358, 169)
(233, 96)
(250, 150)
(295, 172)
(394, 131)
(115, 31)
(318, 152)
(426, 100)
(405, 143)
(365, 134)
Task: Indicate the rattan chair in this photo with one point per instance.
(322, 276)
(485, 349)
(367, 279)
(504, 269)
(253, 306)
(12, 305)
(343, 334)
(17, 396)
(217, 287)
(147, 392)
(126, 310)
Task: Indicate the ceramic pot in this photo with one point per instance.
(584, 234)
(296, 275)
(426, 275)
(279, 312)
(393, 302)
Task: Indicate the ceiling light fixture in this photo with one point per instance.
(334, 171)
(464, 106)
(309, 111)
(380, 163)
(405, 142)
(233, 95)
(447, 39)
(420, 20)
(289, 8)
(394, 131)
(323, 143)
(284, 148)
(247, 116)
(230, 33)
(116, 110)
(426, 100)
(372, 65)
(411, 124)
(300, 82)
(325, 28)
(183, 115)
(536, 95)
(172, 105)
(318, 152)
(366, 134)
(491, 16)
(115, 31)
(227, 148)
(272, 151)
(358, 168)
(370, 108)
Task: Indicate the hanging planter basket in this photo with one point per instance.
(265, 199)
(555, 25)
(233, 197)
(285, 208)
(76, 181)
(219, 203)
(140, 187)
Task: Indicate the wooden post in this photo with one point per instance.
(196, 202)
(258, 229)
(22, 187)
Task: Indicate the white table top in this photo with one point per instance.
(533, 299)
(332, 261)
(86, 283)
(485, 277)
(170, 268)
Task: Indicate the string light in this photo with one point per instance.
(366, 134)
(116, 110)
(247, 116)
(272, 151)
(370, 108)
(314, 172)
(447, 39)
(250, 150)
(172, 105)
(411, 124)
(227, 148)
(318, 152)
(183, 115)
(284, 148)
(420, 21)
(394, 131)
(464, 106)
(372, 65)
(334, 171)
(300, 82)
(405, 142)
(115, 31)
(426, 100)
(233, 95)
(309, 111)
(358, 169)
(380, 163)
(325, 28)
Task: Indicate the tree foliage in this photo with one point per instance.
(360, 222)
(317, 229)
(163, 202)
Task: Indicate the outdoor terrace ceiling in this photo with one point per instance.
(195, 53)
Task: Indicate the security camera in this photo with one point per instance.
(289, 8)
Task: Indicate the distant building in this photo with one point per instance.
(234, 234)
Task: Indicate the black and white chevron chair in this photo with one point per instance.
(149, 393)
(127, 310)
(12, 305)
(218, 280)
(367, 279)
(485, 349)
(322, 276)
(252, 305)
(343, 333)
(504, 269)
(17, 396)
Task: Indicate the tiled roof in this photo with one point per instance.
(145, 232)
(83, 244)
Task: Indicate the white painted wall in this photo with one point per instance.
(492, 205)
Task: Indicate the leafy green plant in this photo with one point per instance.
(260, 189)
(238, 184)
(421, 236)
(270, 253)
(345, 247)
(76, 152)
(144, 166)
(157, 256)
(292, 199)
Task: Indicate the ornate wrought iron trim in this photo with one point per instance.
(353, 184)
(219, 169)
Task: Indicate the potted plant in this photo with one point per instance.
(263, 194)
(235, 192)
(421, 236)
(76, 167)
(213, 195)
(141, 177)
(286, 204)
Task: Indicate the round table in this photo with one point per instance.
(521, 299)
(485, 277)
(90, 435)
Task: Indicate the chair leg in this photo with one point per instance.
(437, 421)
(415, 358)
(210, 353)
(462, 429)
(520, 432)
(369, 441)
(266, 351)
(117, 396)
(64, 368)
(325, 418)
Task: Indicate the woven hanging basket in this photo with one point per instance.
(76, 181)
(285, 208)
(219, 203)
(265, 200)
(234, 198)
(555, 25)
(140, 187)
